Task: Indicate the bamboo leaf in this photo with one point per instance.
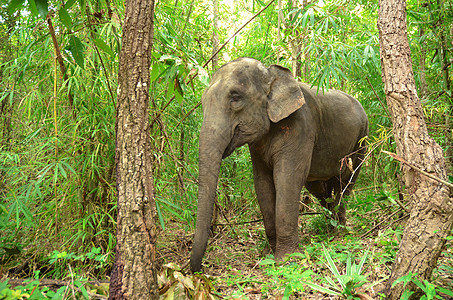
(76, 48)
(14, 5)
(82, 4)
(362, 262)
(42, 7)
(65, 18)
(69, 4)
(102, 45)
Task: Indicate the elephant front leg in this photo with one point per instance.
(265, 193)
(288, 185)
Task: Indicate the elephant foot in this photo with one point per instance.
(280, 254)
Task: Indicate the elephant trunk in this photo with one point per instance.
(213, 142)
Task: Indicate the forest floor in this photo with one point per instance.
(237, 268)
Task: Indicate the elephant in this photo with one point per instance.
(296, 137)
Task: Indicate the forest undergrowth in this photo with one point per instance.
(238, 267)
(58, 198)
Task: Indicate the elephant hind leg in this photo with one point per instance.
(329, 194)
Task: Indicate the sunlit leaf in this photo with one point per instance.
(103, 46)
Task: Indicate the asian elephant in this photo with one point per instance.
(296, 137)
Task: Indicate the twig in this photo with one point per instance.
(237, 31)
(56, 284)
(239, 223)
(402, 160)
(60, 59)
(260, 220)
(377, 96)
(209, 60)
(173, 155)
(397, 220)
(401, 205)
(357, 168)
(188, 114)
(379, 224)
(112, 97)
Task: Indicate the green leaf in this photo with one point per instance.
(32, 7)
(405, 279)
(82, 289)
(65, 18)
(68, 166)
(69, 3)
(76, 48)
(332, 267)
(445, 291)
(159, 214)
(82, 4)
(362, 262)
(156, 72)
(13, 5)
(62, 171)
(102, 45)
(59, 293)
(406, 295)
(267, 261)
(321, 288)
(42, 7)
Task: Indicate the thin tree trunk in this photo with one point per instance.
(431, 214)
(307, 57)
(422, 69)
(215, 34)
(279, 28)
(134, 274)
(60, 61)
(438, 29)
(296, 48)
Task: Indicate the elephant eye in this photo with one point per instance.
(235, 97)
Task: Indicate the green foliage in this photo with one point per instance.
(62, 261)
(34, 290)
(57, 158)
(348, 282)
(289, 275)
(429, 290)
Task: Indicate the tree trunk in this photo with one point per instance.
(422, 69)
(134, 273)
(431, 214)
(279, 29)
(296, 47)
(215, 34)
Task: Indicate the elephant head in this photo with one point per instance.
(242, 99)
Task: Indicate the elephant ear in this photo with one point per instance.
(285, 95)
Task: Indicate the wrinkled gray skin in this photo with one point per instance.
(296, 138)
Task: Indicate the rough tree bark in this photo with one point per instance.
(134, 273)
(431, 215)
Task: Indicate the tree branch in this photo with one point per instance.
(59, 58)
(402, 160)
(210, 59)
